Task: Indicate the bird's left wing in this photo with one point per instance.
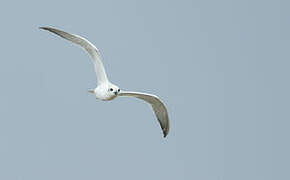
(157, 106)
(89, 47)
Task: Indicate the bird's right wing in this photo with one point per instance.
(89, 47)
(157, 105)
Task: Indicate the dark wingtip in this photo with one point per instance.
(44, 28)
(165, 133)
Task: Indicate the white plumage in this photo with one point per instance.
(108, 91)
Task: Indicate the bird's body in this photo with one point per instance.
(106, 90)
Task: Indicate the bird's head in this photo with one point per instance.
(113, 90)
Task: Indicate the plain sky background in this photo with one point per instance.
(221, 67)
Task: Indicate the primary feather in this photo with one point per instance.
(157, 105)
(89, 47)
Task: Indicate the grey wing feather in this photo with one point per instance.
(89, 47)
(157, 105)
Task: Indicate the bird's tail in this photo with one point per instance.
(91, 91)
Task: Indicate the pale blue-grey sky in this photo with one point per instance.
(221, 67)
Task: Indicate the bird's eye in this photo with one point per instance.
(118, 90)
(111, 89)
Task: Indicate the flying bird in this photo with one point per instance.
(106, 90)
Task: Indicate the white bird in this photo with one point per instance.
(105, 90)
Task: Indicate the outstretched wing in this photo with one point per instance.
(89, 47)
(157, 106)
